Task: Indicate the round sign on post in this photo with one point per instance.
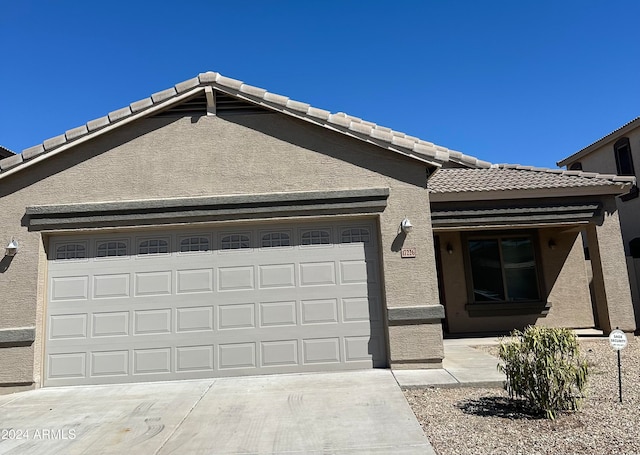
(618, 339)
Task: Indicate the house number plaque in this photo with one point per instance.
(408, 252)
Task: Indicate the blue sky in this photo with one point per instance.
(506, 81)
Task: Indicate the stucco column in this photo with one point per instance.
(414, 314)
(610, 279)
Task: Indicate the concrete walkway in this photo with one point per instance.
(464, 365)
(349, 413)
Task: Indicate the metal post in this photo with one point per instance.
(619, 377)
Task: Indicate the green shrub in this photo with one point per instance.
(544, 367)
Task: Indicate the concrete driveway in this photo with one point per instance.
(326, 413)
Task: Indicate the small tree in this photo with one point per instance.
(544, 367)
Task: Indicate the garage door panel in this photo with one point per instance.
(110, 324)
(317, 274)
(111, 286)
(194, 358)
(194, 319)
(152, 283)
(276, 276)
(152, 361)
(319, 311)
(237, 355)
(65, 326)
(194, 281)
(278, 314)
(68, 365)
(236, 278)
(279, 352)
(321, 350)
(236, 316)
(109, 363)
(152, 321)
(70, 288)
(172, 310)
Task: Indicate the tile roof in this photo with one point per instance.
(353, 126)
(506, 177)
(589, 148)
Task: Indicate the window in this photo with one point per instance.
(503, 269)
(356, 235)
(624, 162)
(111, 249)
(577, 166)
(235, 242)
(275, 239)
(194, 244)
(316, 237)
(71, 251)
(153, 246)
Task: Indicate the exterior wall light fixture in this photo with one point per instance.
(12, 248)
(552, 244)
(449, 248)
(406, 226)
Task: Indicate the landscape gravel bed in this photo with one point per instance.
(462, 421)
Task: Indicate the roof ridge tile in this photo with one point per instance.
(228, 82)
(183, 86)
(76, 132)
(163, 95)
(276, 99)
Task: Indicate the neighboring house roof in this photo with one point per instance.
(624, 129)
(205, 83)
(506, 178)
(5, 152)
(367, 131)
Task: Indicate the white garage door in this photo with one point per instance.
(165, 305)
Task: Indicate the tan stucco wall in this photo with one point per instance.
(565, 284)
(243, 154)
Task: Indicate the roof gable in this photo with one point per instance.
(612, 136)
(208, 90)
(205, 90)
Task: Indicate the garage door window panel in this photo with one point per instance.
(153, 247)
(240, 241)
(356, 235)
(195, 244)
(112, 249)
(71, 251)
(275, 239)
(313, 237)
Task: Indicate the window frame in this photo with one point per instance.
(222, 236)
(140, 240)
(199, 235)
(505, 307)
(125, 241)
(623, 145)
(270, 232)
(325, 229)
(66, 243)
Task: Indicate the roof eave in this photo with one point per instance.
(614, 135)
(614, 189)
(99, 132)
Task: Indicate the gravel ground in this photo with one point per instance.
(485, 421)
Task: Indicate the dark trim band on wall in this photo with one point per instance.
(443, 217)
(508, 309)
(415, 314)
(17, 336)
(199, 209)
